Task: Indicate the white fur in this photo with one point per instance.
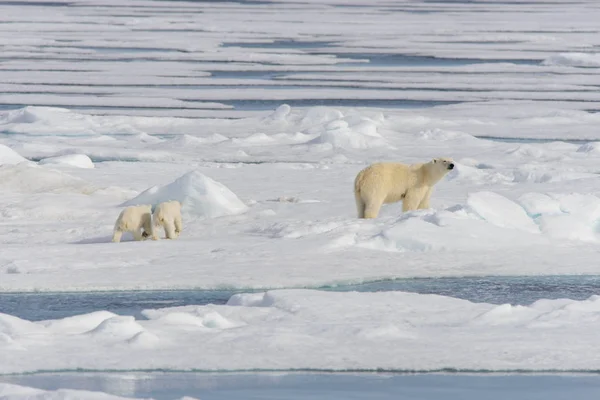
(135, 219)
(388, 182)
(168, 216)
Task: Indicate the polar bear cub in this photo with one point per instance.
(168, 216)
(388, 182)
(134, 219)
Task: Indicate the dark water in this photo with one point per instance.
(301, 386)
(495, 290)
(533, 140)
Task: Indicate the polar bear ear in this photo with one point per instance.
(435, 160)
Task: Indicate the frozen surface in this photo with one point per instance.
(330, 386)
(232, 59)
(513, 290)
(73, 160)
(198, 194)
(258, 116)
(17, 392)
(314, 330)
(268, 202)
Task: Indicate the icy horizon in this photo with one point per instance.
(257, 116)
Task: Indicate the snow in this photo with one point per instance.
(258, 122)
(198, 194)
(10, 157)
(308, 329)
(73, 160)
(574, 59)
(18, 392)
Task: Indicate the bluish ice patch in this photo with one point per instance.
(386, 59)
(280, 44)
(36, 3)
(101, 49)
(533, 140)
(320, 386)
(246, 74)
(263, 105)
(493, 289)
(10, 107)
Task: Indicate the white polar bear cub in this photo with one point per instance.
(135, 219)
(389, 182)
(167, 215)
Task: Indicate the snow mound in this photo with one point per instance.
(457, 228)
(33, 120)
(536, 204)
(199, 195)
(500, 211)
(315, 329)
(145, 138)
(28, 178)
(117, 327)
(192, 316)
(591, 147)
(527, 150)
(183, 141)
(318, 116)
(12, 326)
(470, 174)
(143, 340)
(569, 227)
(574, 60)
(281, 113)
(542, 175)
(73, 160)
(441, 135)
(360, 134)
(10, 157)
(78, 323)
(258, 138)
(565, 217)
(10, 391)
(187, 141)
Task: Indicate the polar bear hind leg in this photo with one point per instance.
(372, 208)
(169, 229)
(360, 205)
(147, 228)
(137, 235)
(178, 225)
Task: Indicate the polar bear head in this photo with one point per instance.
(438, 168)
(443, 163)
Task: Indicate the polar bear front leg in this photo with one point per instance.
(117, 235)
(413, 198)
(424, 204)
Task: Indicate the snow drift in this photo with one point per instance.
(10, 157)
(199, 195)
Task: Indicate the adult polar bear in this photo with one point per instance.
(388, 182)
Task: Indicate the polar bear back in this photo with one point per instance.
(167, 210)
(134, 218)
(390, 180)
